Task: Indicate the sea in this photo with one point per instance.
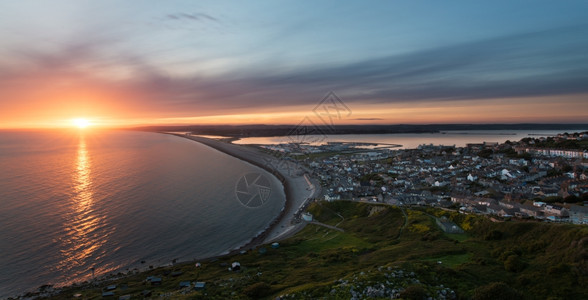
(410, 140)
(79, 204)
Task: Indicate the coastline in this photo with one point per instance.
(294, 186)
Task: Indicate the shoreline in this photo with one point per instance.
(266, 162)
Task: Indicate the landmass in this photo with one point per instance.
(485, 221)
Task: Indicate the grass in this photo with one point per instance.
(460, 237)
(451, 261)
(315, 238)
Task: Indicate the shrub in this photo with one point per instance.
(558, 269)
(496, 290)
(431, 236)
(414, 292)
(514, 264)
(493, 235)
(257, 290)
(419, 228)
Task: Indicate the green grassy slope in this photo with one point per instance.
(385, 252)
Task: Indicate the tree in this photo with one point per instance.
(572, 199)
(486, 153)
(552, 199)
(526, 156)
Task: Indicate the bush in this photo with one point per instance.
(257, 290)
(493, 235)
(514, 264)
(496, 290)
(414, 292)
(419, 228)
(559, 269)
(502, 256)
(430, 236)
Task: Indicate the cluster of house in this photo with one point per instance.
(539, 210)
(494, 183)
(529, 146)
(567, 153)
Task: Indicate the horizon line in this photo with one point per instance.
(138, 126)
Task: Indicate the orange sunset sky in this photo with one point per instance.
(179, 62)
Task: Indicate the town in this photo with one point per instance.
(544, 178)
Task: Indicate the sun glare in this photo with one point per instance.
(81, 123)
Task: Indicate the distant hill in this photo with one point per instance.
(283, 130)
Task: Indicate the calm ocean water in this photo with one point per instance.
(411, 140)
(73, 201)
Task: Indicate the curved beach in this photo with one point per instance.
(298, 187)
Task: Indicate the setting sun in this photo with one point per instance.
(81, 123)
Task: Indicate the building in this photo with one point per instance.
(553, 152)
(198, 286)
(448, 226)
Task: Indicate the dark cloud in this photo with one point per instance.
(534, 64)
(542, 63)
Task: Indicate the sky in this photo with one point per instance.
(127, 63)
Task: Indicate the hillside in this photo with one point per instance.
(383, 252)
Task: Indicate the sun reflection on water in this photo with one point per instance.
(86, 230)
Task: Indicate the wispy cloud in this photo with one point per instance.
(191, 17)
